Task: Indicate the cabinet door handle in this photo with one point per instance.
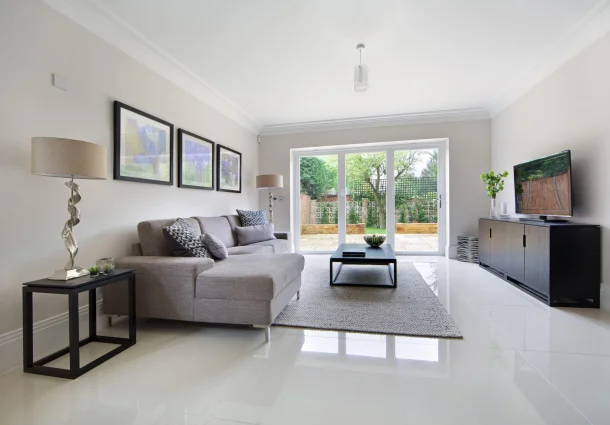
(490, 232)
(524, 242)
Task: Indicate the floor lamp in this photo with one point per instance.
(71, 159)
(270, 181)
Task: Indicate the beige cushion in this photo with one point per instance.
(249, 277)
(153, 241)
(250, 249)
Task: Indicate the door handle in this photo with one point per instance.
(440, 201)
(524, 242)
(490, 232)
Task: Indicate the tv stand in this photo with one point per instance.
(544, 219)
(557, 263)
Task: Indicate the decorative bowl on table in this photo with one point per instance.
(374, 240)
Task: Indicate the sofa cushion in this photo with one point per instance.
(250, 249)
(183, 241)
(219, 227)
(234, 220)
(153, 241)
(215, 246)
(252, 234)
(249, 277)
(252, 218)
(279, 246)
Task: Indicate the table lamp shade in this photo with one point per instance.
(56, 157)
(269, 181)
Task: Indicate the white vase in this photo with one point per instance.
(493, 213)
(504, 209)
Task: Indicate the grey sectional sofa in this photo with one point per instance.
(251, 287)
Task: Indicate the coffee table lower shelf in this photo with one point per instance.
(361, 261)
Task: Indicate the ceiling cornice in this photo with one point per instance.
(589, 29)
(379, 121)
(93, 16)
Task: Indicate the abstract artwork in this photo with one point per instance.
(143, 146)
(228, 169)
(195, 161)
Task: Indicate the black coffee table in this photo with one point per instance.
(382, 256)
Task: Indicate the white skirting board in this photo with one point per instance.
(50, 335)
(451, 251)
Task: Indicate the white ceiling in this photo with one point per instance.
(291, 61)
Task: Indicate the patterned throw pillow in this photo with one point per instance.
(183, 241)
(252, 218)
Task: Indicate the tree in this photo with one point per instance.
(431, 169)
(371, 169)
(317, 176)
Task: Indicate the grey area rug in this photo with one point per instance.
(411, 309)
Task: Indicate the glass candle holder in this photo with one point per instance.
(106, 265)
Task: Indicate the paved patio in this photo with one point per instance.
(408, 243)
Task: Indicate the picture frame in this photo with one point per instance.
(228, 169)
(196, 161)
(143, 147)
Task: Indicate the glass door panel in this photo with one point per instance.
(416, 200)
(318, 203)
(365, 195)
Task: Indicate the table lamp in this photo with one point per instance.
(71, 159)
(270, 181)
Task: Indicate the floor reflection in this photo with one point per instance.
(344, 344)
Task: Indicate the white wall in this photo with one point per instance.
(35, 42)
(469, 156)
(568, 110)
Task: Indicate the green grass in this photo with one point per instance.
(375, 231)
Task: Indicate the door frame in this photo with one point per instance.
(390, 148)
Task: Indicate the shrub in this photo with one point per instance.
(352, 214)
(371, 216)
(402, 217)
(324, 219)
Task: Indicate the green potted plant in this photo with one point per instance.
(494, 184)
(94, 271)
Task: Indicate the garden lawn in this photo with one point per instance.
(375, 231)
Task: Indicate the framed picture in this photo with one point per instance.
(228, 169)
(143, 147)
(195, 161)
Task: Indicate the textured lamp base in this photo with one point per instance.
(69, 274)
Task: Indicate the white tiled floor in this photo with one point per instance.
(520, 362)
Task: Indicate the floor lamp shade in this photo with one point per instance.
(269, 181)
(55, 157)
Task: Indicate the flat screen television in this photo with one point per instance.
(544, 186)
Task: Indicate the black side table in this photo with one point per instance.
(72, 288)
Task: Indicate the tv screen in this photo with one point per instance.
(544, 186)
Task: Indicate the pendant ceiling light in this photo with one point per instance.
(361, 73)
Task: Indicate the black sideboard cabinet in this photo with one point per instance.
(558, 263)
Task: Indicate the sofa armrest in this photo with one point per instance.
(165, 286)
(179, 267)
(282, 235)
